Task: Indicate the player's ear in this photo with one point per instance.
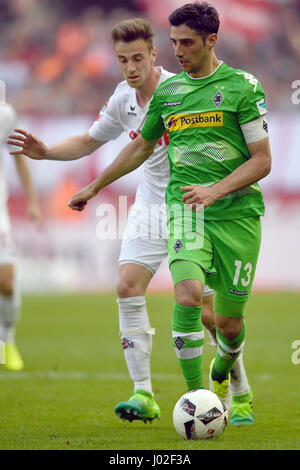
(211, 40)
(154, 53)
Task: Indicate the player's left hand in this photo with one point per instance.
(34, 213)
(198, 197)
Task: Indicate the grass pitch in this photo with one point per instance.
(75, 374)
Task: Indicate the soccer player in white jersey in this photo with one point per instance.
(140, 256)
(10, 298)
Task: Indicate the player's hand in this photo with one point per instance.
(29, 145)
(34, 213)
(80, 199)
(198, 197)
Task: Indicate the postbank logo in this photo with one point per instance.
(178, 122)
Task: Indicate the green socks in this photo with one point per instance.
(227, 353)
(188, 339)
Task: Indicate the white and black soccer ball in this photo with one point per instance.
(200, 414)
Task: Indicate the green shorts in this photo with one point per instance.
(226, 250)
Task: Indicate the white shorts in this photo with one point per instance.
(145, 240)
(7, 248)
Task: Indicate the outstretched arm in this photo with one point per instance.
(69, 149)
(130, 158)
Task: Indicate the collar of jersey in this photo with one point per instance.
(207, 76)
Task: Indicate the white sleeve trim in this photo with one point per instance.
(255, 130)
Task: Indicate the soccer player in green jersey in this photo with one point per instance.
(218, 151)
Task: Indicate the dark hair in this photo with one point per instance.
(130, 30)
(200, 16)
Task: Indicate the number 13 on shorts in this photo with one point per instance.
(242, 273)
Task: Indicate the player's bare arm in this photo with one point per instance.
(130, 158)
(253, 170)
(71, 148)
(33, 206)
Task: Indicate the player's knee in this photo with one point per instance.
(125, 288)
(6, 287)
(189, 297)
(231, 329)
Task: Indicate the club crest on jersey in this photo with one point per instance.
(178, 122)
(218, 98)
(178, 245)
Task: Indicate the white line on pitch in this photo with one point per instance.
(53, 375)
(77, 375)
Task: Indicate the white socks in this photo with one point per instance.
(136, 335)
(239, 384)
(9, 315)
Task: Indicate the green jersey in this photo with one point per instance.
(206, 143)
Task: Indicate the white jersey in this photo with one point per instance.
(8, 120)
(123, 113)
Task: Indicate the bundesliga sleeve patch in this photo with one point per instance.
(261, 106)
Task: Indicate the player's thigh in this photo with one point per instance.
(133, 280)
(236, 249)
(190, 245)
(145, 240)
(139, 260)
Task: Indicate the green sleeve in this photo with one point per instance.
(154, 127)
(252, 101)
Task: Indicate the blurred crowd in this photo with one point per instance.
(58, 59)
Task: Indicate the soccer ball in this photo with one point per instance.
(200, 414)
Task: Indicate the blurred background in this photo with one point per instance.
(58, 64)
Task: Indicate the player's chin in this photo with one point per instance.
(186, 66)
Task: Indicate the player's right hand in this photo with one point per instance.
(80, 199)
(29, 145)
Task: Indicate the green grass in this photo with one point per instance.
(75, 374)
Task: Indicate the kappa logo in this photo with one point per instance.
(172, 103)
(237, 292)
(178, 122)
